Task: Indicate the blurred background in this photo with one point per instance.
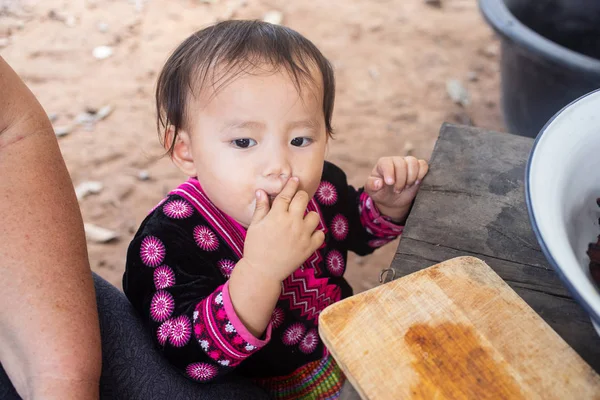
(403, 68)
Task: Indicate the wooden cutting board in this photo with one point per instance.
(452, 331)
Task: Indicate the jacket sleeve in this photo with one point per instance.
(369, 228)
(360, 224)
(177, 287)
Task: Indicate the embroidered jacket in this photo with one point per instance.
(176, 277)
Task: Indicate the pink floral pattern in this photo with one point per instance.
(226, 267)
(326, 194)
(181, 331)
(310, 342)
(335, 263)
(201, 371)
(161, 306)
(163, 332)
(293, 334)
(152, 251)
(339, 227)
(164, 277)
(215, 333)
(178, 209)
(205, 238)
(277, 317)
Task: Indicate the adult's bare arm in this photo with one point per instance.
(49, 330)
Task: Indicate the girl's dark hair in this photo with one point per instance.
(236, 47)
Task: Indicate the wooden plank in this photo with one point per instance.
(455, 330)
(472, 203)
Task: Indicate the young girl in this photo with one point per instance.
(231, 270)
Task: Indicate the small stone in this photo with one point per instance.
(374, 73)
(457, 92)
(144, 175)
(102, 52)
(491, 51)
(472, 76)
(273, 17)
(4, 42)
(88, 187)
(85, 118)
(70, 21)
(20, 25)
(103, 27)
(61, 131)
(52, 117)
(97, 234)
(103, 112)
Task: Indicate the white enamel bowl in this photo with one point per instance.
(562, 184)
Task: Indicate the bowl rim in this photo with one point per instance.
(510, 28)
(580, 299)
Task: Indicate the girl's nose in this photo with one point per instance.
(277, 166)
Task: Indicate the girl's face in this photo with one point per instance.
(255, 133)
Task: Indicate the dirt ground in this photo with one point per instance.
(393, 59)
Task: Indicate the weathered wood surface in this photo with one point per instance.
(472, 203)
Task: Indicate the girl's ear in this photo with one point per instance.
(182, 151)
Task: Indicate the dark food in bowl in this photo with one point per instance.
(594, 254)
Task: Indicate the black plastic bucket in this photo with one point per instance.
(550, 56)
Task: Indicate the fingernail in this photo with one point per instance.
(258, 195)
(294, 178)
(418, 182)
(378, 184)
(389, 181)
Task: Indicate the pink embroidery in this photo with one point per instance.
(226, 267)
(310, 342)
(277, 317)
(201, 371)
(205, 238)
(231, 234)
(228, 229)
(163, 332)
(161, 306)
(177, 209)
(339, 227)
(181, 331)
(218, 336)
(293, 334)
(335, 263)
(152, 251)
(326, 193)
(308, 294)
(374, 223)
(164, 277)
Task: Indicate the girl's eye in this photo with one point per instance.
(301, 141)
(243, 143)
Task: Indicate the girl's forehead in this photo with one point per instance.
(223, 78)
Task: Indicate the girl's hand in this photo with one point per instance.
(280, 237)
(394, 183)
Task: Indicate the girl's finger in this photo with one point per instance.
(299, 203)
(284, 198)
(311, 220)
(385, 167)
(423, 169)
(374, 183)
(400, 168)
(412, 174)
